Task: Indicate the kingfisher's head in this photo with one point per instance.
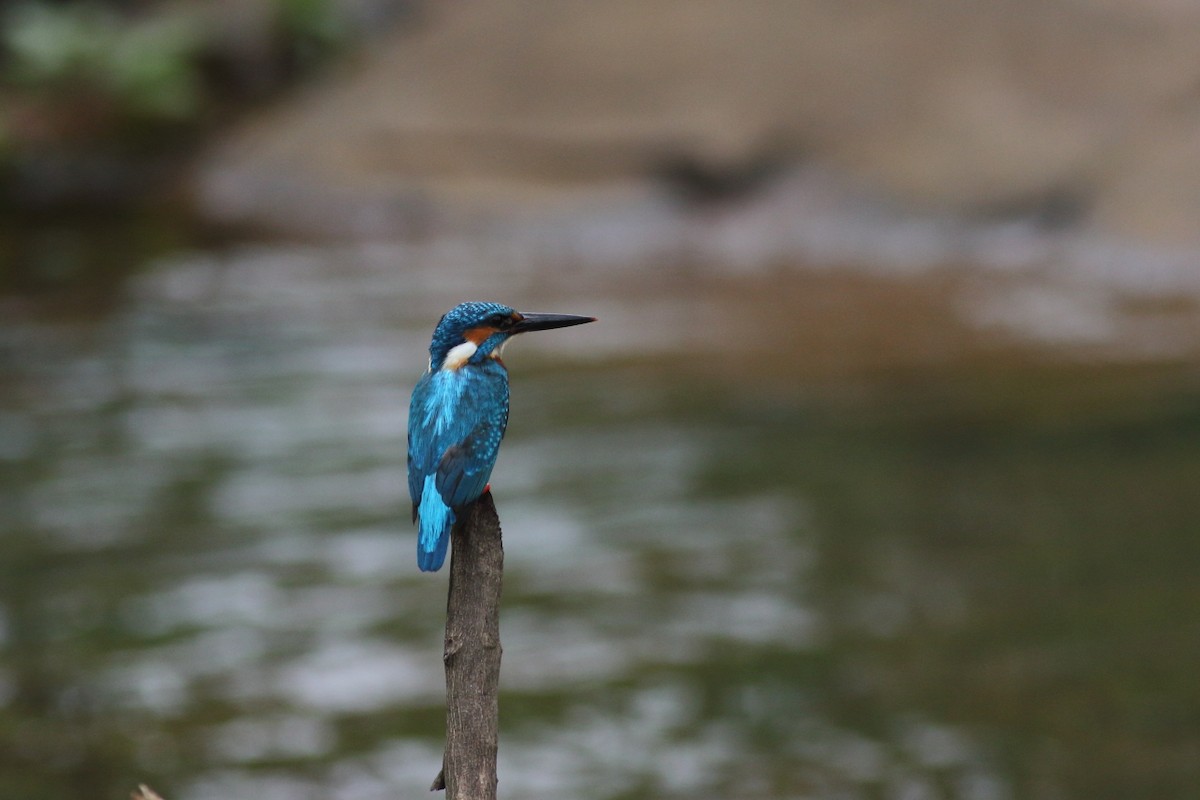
(472, 332)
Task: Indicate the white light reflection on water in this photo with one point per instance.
(283, 736)
(239, 599)
(357, 675)
(262, 495)
(243, 418)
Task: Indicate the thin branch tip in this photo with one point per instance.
(472, 655)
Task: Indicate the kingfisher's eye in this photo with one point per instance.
(500, 320)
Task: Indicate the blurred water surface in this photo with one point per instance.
(729, 575)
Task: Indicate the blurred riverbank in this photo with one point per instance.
(1041, 151)
(1072, 115)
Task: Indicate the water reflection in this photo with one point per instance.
(907, 586)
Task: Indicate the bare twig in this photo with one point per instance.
(472, 655)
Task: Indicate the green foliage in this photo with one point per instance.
(313, 27)
(145, 68)
(153, 68)
(101, 70)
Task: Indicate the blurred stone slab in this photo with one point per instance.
(1083, 113)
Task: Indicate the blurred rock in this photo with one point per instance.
(1075, 113)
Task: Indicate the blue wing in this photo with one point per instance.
(456, 422)
(465, 467)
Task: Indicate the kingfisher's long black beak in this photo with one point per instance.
(544, 322)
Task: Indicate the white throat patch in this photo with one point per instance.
(459, 354)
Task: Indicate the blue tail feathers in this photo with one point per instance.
(435, 519)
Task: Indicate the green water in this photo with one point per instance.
(969, 581)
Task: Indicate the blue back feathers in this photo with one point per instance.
(457, 417)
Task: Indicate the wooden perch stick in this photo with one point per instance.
(472, 655)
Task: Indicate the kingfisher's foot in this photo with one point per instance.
(487, 488)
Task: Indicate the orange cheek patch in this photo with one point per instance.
(478, 336)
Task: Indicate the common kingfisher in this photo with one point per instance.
(458, 415)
